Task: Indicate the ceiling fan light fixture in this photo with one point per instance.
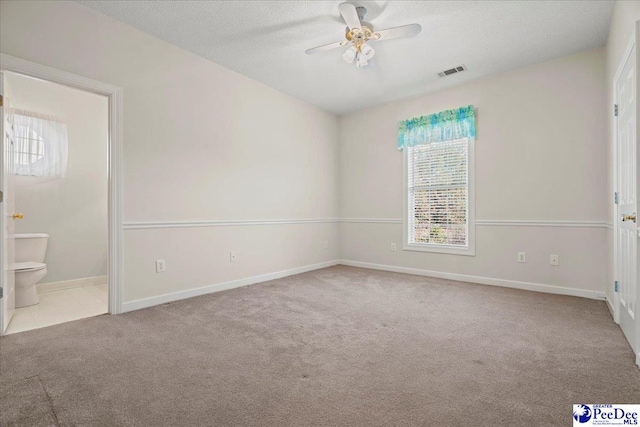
(358, 33)
(361, 60)
(367, 51)
(350, 54)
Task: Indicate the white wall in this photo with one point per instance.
(200, 143)
(625, 15)
(540, 155)
(204, 143)
(72, 210)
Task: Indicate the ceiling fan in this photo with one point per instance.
(358, 33)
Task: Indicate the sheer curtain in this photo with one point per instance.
(41, 146)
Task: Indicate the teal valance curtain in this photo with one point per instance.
(447, 125)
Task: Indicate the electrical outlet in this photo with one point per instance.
(326, 244)
(522, 257)
(393, 247)
(554, 259)
(160, 266)
(232, 256)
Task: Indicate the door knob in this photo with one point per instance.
(631, 217)
(18, 216)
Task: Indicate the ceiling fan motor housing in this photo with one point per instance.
(359, 36)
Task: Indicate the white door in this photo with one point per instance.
(626, 227)
(7, 240)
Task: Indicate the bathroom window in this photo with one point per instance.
(29, 147)
(40, 145)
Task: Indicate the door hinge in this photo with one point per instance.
(1, 196)
(0, 100)
(615, 110)
(616, 286)
(616, 199)
(1, 292)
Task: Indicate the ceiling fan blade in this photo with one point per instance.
(397, 32)
(324, 47)
(350, 16)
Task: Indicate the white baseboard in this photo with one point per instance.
(610, 306)
(174, 296)
(68, 284)
(527, 286)
(189, 293)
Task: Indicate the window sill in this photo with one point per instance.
(440, 249)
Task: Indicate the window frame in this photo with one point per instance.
(470, 249)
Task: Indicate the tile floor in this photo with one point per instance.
(61, 306)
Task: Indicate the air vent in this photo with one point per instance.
(454, 70)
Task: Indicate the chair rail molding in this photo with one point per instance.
(495, 222)
(372, 220)
(141, 225)
(540, 223)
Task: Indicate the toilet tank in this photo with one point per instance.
(31, 247)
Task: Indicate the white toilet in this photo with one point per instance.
(29, 266)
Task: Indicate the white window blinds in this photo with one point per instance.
(438, 193)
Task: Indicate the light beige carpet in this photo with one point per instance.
(335, 347)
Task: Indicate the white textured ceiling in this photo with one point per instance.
(266, 40)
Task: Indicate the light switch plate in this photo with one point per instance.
(554, 259)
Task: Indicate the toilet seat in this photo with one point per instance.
(28, 266)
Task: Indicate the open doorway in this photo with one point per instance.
(60, 199)
(73, 242)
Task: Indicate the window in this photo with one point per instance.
(29, 147)
(40, 145)
(438, 188)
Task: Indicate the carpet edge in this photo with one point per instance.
(141, 303)
(505, 283)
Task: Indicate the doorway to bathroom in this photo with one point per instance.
(60, 198)
(61, 224)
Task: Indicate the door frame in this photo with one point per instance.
(623, 60)
(115, 97)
